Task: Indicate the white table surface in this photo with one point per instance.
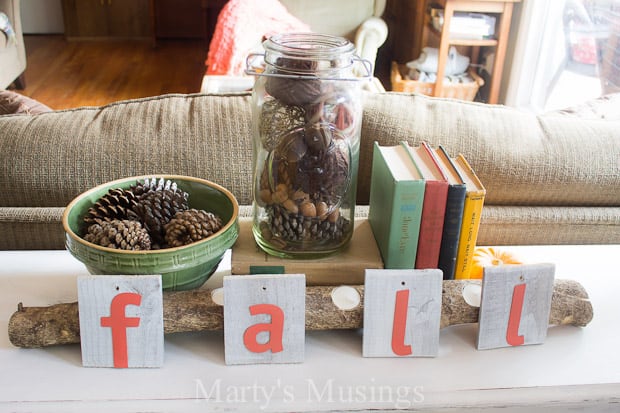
(576, 367)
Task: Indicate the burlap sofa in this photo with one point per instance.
(550, 179)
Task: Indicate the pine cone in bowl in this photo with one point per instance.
(156, 208)
(114, 204)
(119, 234)
(190, 226)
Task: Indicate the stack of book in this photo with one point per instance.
(425, 208)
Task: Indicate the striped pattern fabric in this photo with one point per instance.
(521, 159)
(550, 179)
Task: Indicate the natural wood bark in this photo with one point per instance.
(195, 311)
(45, 326)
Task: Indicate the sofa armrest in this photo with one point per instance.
(371, 34)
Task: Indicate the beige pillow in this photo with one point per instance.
(14, 103)
(606, 107)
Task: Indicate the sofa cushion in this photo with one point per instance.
(64, 153)
(605, 107)
(521, 159)
(11, 103)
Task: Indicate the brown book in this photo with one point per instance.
(346, 267)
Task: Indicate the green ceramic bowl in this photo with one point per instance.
(181, 268)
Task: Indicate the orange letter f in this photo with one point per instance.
(119, 323)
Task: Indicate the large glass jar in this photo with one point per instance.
(306, 129)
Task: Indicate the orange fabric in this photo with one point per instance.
(241, 26)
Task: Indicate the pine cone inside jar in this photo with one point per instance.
(276, 119)
(317, 166)
(190, 226)
(297, 83)
(114, 204)
(156, 208)
(118, 234)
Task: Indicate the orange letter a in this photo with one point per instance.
(275, 329)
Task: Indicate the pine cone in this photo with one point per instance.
(277, 119)
(114, 204)
(142, 188)
(118, 234)
(191, 226)
(156, 208)
(295, 90)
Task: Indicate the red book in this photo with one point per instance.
(434, 206)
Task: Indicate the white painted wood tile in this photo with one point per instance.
(144, 342)
(422, 290)
(498, 290)
(287, 292)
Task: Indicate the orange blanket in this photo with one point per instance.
(241, 26)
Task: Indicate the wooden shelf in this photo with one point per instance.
(472, 42)
(465, 42)
(501, 8)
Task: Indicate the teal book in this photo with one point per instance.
(396, 200)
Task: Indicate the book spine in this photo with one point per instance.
(404, 228)
(472, 211)
(381, 189)
(431, 226)
(451, 230)
(395, 213)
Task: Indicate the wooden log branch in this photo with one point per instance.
(195, 310)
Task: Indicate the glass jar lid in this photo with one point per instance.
(308, 53)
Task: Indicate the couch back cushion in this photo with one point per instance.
(12, 102)
(521, 159)
(50, 158)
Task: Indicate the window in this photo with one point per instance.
(567, 52)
